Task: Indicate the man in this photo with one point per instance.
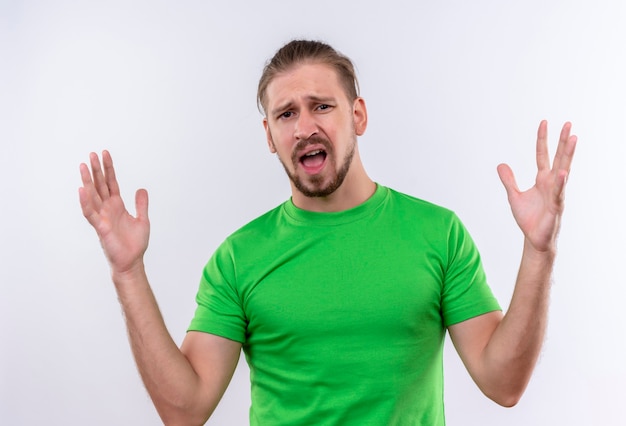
(341, 296)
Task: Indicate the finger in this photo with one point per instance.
(508, 180)
(109, 173)
(90, 195)
(86, 206)
(98, 176)
(141, 204)
(559, 186)
(565, 160)
(85, 176)
(565, 150)
(543, 157)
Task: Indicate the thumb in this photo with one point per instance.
(141, 204)
(508, 179)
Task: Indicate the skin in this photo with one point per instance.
(500, 352)
(309, 110)
(185, 384)
(308, 102)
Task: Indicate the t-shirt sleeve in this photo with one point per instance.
(219, 309)
(466, 293)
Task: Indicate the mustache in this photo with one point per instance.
(313, 140)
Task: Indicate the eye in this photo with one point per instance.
(323, 107)
(286, 114)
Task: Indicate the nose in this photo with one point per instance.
(306, 126)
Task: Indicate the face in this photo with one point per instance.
(312, 127)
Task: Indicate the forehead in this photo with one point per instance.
(304, 81)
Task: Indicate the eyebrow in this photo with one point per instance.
(314, 99)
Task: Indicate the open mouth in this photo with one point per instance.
(314, 160)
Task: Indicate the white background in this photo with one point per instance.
(453, 88)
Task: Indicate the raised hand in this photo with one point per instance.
(124, 237)
(538, 210)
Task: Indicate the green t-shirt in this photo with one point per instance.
(343, 315)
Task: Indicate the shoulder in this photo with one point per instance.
(249, 241)
(260, 229)
(404, 204)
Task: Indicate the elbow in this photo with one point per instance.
(181, 415)
(507, 401)
(505, 389)
(182, 419)
(507, 398)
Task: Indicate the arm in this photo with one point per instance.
(185, 385)
(500, 351)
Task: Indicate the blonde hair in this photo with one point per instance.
(297, 52)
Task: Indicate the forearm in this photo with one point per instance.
(513, 350)
(168, 376)
(184, 386)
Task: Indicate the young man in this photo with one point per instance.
(341, 296)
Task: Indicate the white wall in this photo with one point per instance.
(453, 88)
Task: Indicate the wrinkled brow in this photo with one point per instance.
(310, 99)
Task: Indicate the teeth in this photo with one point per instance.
(313, 153)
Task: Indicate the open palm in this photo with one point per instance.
(124, 237)
(538, 210)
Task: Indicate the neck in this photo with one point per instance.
(356, 188)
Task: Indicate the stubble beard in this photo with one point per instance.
(314, 186)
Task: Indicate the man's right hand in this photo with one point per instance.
(186, 385)
(124, 237)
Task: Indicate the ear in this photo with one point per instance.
(268, 135)
(359, 112)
